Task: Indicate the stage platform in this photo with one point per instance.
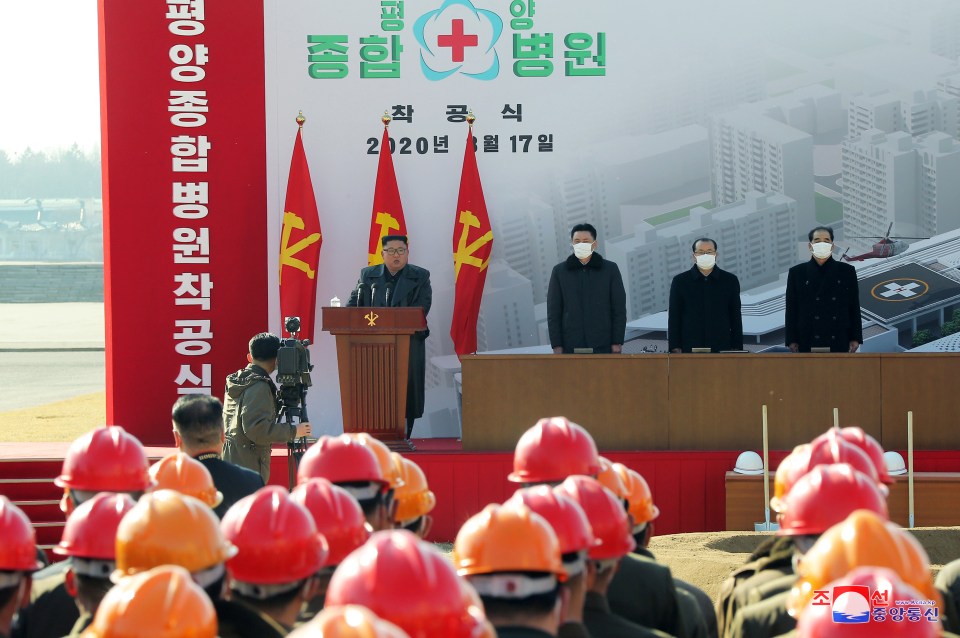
(688, 486)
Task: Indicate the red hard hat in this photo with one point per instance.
(409, 583)
(856, 435)
(818, 621)
(107, 459)
(18, 549)
(276, 539)
(830, 447)
(609, 520)
(91, 530)
(552, 450)
(825, 496)
(340, 459)
(337, 514)
(564, 514)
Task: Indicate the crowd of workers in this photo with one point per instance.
(343, 555)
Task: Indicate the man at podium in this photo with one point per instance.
(400, 284)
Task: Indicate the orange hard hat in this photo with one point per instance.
(639, 498)
(863, 539)
(791, 468)
(186, 475)
(552, 450)
(826, 495)
(505, 538)
(384, 457)
(162, 602)
(818, 621)
(340, 459)
(107, 459)
(607, 517)
(18, 549)
(857, 436)
(166, 527)
(409, 583)
(414, 498)
(91, 530)
(348, 621)
(337, 515)
(610, 479)
(564, 515)
(278, 541)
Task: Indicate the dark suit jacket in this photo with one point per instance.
(412, 288)
(823, 306)
(705, 311)
(233, 481)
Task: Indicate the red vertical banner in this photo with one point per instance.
(387, 217)
(300, 241)
(472, 244)
(184, 189)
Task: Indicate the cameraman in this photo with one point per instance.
(250, 410)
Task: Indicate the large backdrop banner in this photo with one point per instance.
(656, 122)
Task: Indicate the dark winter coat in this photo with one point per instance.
(705, 311)
(586, 305)
(823, 306)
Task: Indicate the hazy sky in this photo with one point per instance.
(48, 74)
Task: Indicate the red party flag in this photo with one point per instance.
(300, 243)
(387, 216)
(472, 243)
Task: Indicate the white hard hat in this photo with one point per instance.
(749, 463)
(895, 464)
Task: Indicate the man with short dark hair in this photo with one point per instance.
(705, 305)
(250, 410)
(198, 432)
(586, 301)
(394, 283)
(823, 300)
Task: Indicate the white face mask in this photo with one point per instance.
(706, 262)
(822, 249)
(582, 251)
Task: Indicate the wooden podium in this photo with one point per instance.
(373, 352)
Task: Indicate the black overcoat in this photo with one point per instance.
(586, 305)
(823, 306)
(705, 311)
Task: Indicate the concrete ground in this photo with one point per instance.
(50, 352)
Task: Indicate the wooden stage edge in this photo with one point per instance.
(712, 401)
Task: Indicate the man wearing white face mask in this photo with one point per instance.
(586, 301)
(823, 300)
(705, 305)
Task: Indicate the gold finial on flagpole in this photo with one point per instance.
(470, 118)
(386, 119)
(300, 119)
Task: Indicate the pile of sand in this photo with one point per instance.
(706, 559)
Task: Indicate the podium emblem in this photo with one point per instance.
(371, 318)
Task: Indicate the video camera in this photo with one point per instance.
(293, 373)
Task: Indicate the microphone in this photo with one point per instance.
(373, 295)
(361, 287)
(387, 294)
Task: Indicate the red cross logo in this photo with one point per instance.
(457, 41)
